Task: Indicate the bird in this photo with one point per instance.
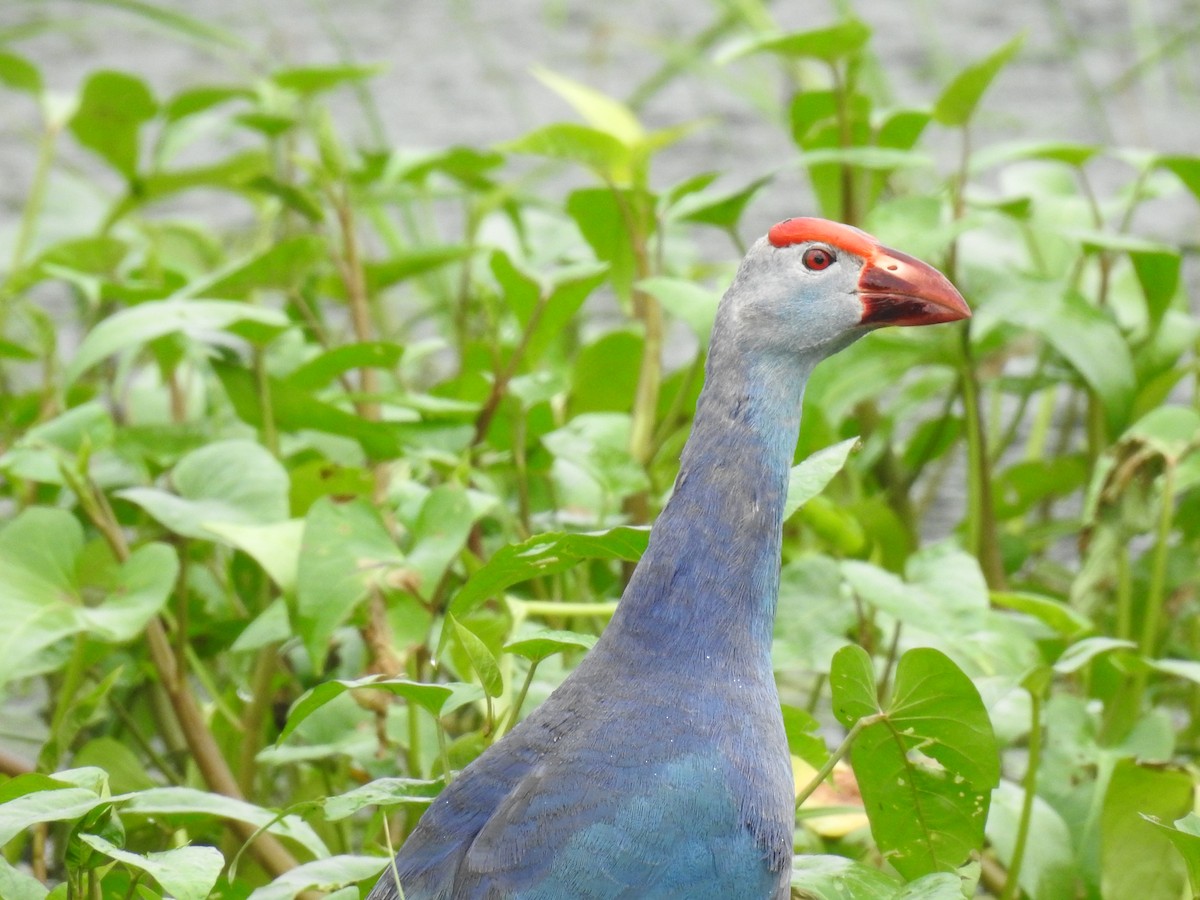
(659, 768)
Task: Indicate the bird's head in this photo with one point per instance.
(812, 287)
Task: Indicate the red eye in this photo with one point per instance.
(818, 258)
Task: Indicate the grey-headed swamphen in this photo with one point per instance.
(659, 768)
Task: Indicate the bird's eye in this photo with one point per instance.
(817, 258)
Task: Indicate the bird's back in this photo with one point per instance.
(609, 791)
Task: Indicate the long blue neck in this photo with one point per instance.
(707, 585)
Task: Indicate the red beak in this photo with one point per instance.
(896, 289)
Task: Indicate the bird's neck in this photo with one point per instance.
(708, 583)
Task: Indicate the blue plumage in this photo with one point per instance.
(659, 768)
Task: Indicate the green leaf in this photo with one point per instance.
(1048, 867)
(1068, 622)
(19, 74)
(927, 765)
(812, 476)
(186, 802)
(432, 697)
(234, 482)
(136, 592)
(852, 681)
(296, 410)
(803, 736)
(958, 101)
(1137, 859)
(61, 805)
(16, 885)
(346, 550)
(323, 368)
(482, 660)
(835, 42)
(720, 211)
(839, 878)
(1086, 337)
(1083, 652)
(439, 534)
(589, 147)
(602, 216)
(112, 109)
(944, 593)
(322, 874)
(545, 554)
(383, 792)
(598, 110)
(1186, 169)
(42, 594)
(1170, 431)
(282, 266)
(191, 101)
(186, 873)
(195, 319)
(938, 886)
(546, 643)
(311, 80)
(383, 273)
(1185, 835)
(274, 546)
(692, 304)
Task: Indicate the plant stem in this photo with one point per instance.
(267, 849)
(37, 195)
(843, 748)
(982, 536)
(1029, 783)
(520, 701)
(1156, 593)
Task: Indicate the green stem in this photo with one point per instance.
(520, 701)
(1124, 595)
(982, 536)
(37, 195)
(604, 609)
(1156, 595)
(1029, 783)
(843, 748)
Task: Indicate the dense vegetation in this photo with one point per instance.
(303, 513)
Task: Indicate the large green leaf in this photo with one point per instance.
(812, 476)
(944, 593)
(43, 585)
(545, 554)
(186, 873)
(598, 110)
(228, 482)
(827, 44)
(169, 802)
(16, 885)
(112, 109)
(592, 148)
(384, 792)
(487, 669)
(282, 266)
(1085, 336)
(323, 874)
(432, 697)
(1136, 858)
(957, 103)
(1048, 867)
(200, 320)
(292, 409)
(345, 551)
(1185, 835)
(926, 765)
(839, 878)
